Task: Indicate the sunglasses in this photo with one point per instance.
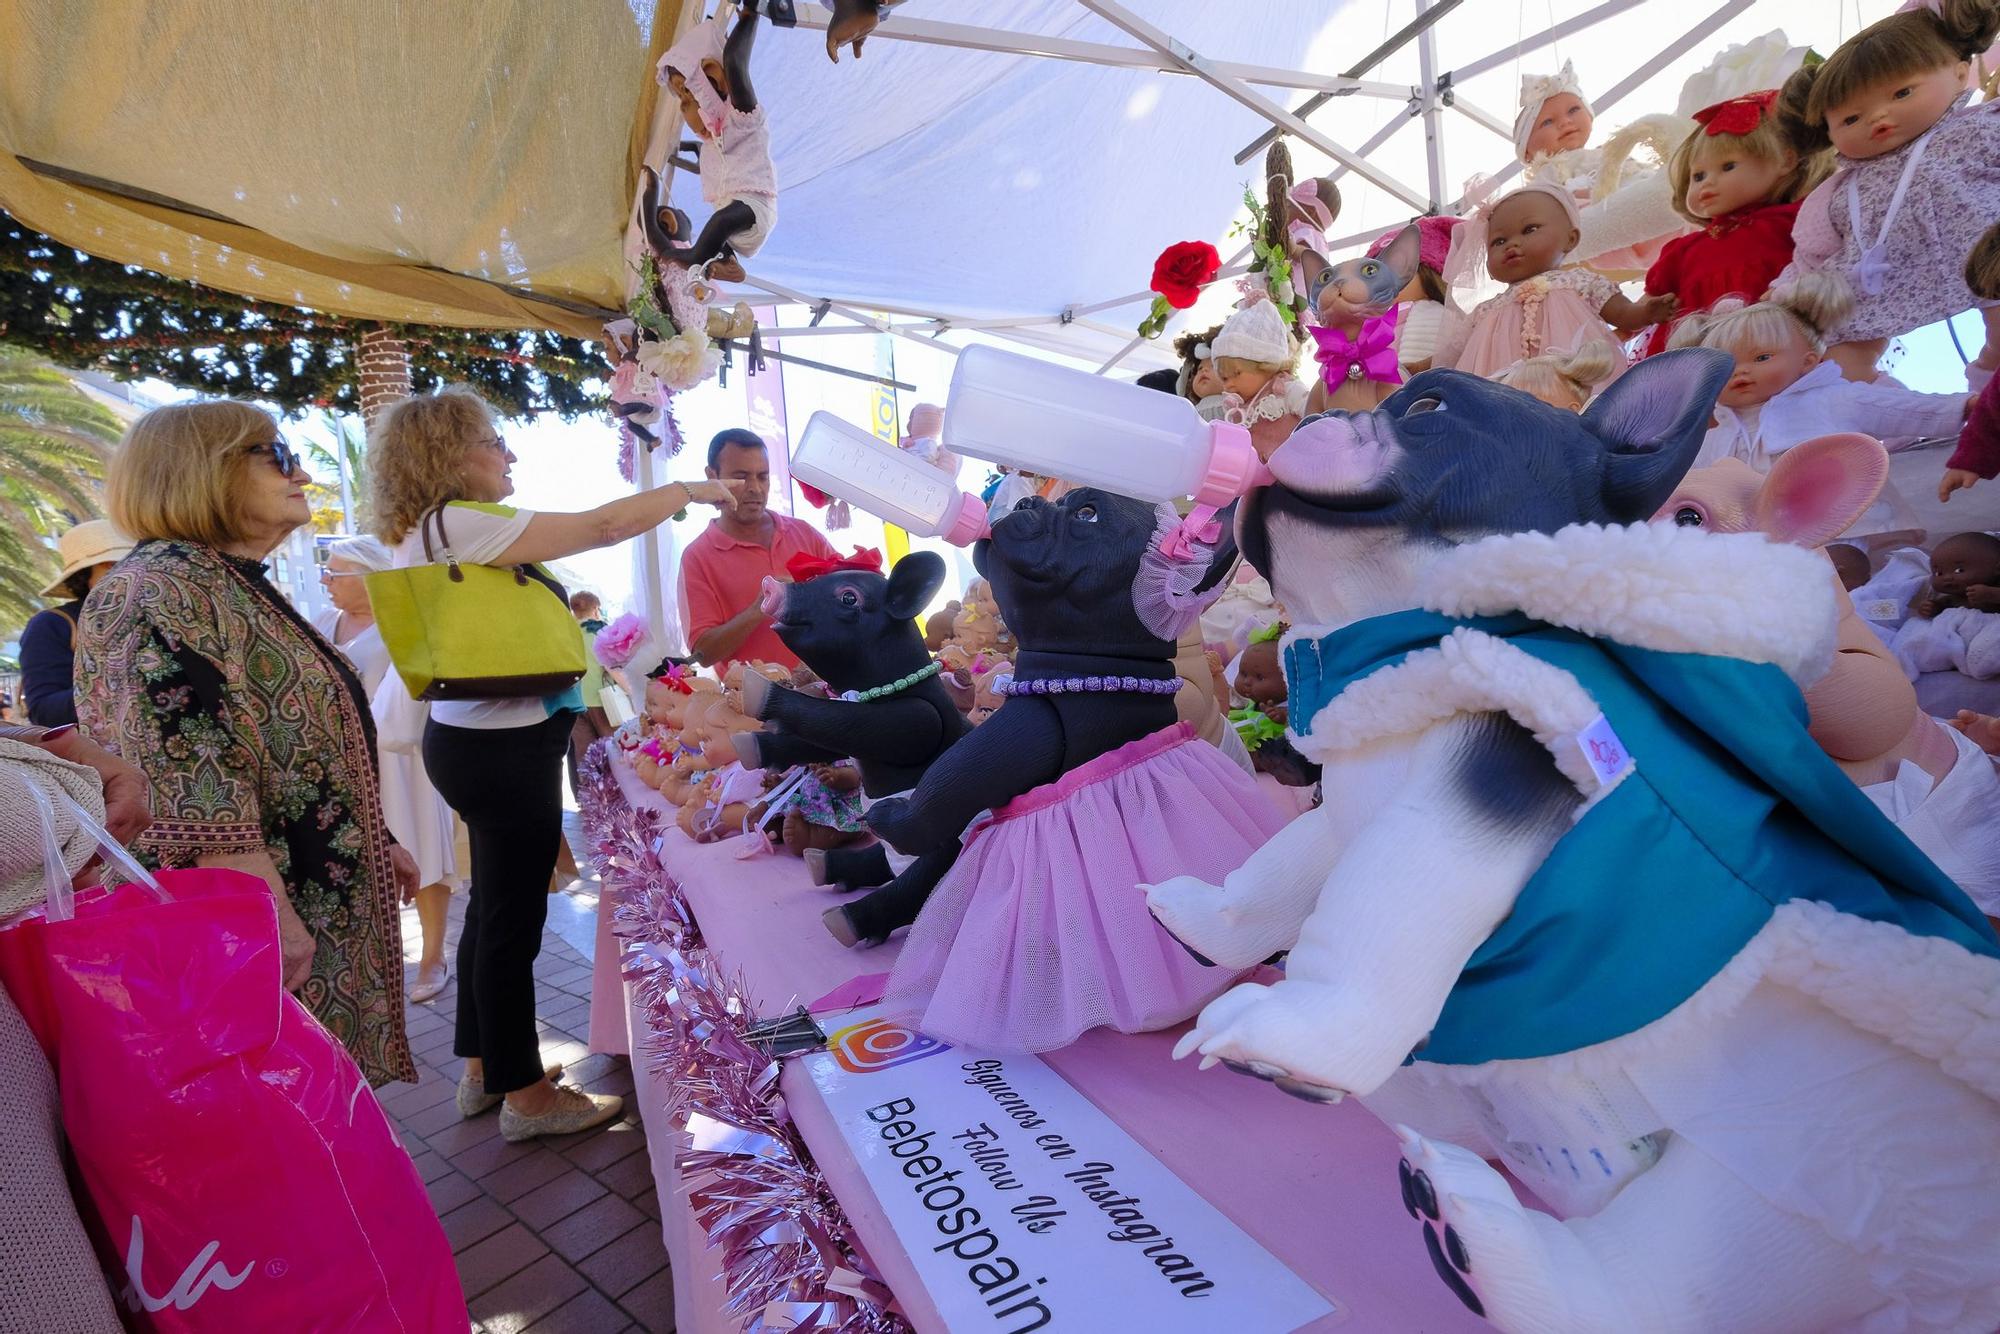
(283, 455)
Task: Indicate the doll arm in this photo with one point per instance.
(1020, 747)
(736, 61)
(1900, 417)
(781, 750)
(901, 731)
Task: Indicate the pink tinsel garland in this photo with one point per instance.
(752, 1185)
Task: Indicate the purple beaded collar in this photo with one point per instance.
(1087, 685)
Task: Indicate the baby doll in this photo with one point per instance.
(1978, 454)
(1624, 210)
(711, 78)
(1918, 176)
(722, 806)
(1952, 626)
(1565, 380)
(1354, 303)
(977, 627)
(818, 807)
(1739, 179)
(1197, 382)
(1257, 674)
(1850, 563)
(1783, 393)
(1425, 298)
(1254, 357)
(1527, 237)
(938, 629)
(922, 438)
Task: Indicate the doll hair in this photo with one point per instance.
(1912, 41)
(1982, 266)
(1808, 305)
(1576, 372)
(1190, 348)
(1770, 141)
(1228, 366)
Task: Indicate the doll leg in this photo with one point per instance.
(725, 222)
(851, 868)
(1988, 359)
(1857, 361)
(875, 916)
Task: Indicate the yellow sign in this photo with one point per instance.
(895, 542)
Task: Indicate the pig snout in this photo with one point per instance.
(773, 598)
(1334, 455)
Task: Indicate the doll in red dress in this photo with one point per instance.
(1740, 180)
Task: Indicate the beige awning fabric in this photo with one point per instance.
(451, 162)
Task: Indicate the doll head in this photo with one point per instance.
(1891, 81)
(1253, 347)
(1741, 155)
(692, 70)
(1260, 674)
(1959, 562)
(1565, 380)
(1354, 290)
(1198, 379)
(1433, 244)
(1982, 266)
(1774, 342)
(1850, 563)
(1529, 232)
(1553, 117)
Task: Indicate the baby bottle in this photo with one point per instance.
(845, 461)
(1038, 417)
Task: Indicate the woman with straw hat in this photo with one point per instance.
(48, 643)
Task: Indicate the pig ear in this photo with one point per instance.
(916, 578)
(1651, 421)
(1816, 490)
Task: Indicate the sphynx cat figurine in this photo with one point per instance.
(1584, 895)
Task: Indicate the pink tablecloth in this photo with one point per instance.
(1316, 1186)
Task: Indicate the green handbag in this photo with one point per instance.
(461, 631)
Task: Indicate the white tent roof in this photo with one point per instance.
(1021, 178)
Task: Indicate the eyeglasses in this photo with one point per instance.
(283, 455)
(493, 442)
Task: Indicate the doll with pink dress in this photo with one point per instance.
(1918, 177)
(1525, 239)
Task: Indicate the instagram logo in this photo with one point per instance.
(878, 1044)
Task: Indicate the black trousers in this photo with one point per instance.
(506, 784)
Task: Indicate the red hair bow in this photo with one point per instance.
(1739, 115)
(803, 567)
(675, 678)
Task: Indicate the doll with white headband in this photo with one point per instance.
(1918, 178)
(1785, 391)
(1525, 240)
(711, 79)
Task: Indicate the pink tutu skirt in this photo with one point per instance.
(1040, 931)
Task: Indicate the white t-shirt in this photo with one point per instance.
(478, 534)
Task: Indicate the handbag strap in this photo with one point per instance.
(522, 573)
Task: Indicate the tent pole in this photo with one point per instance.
(930, 32)
(1547, 36)
(1433, 114)
(1203, 68)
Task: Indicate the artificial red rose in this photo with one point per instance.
(1182, 268)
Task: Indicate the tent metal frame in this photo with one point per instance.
(1427, 102)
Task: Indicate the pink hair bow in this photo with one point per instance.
(1371, 357)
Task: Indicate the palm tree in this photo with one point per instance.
(329, 508)
(54, 441)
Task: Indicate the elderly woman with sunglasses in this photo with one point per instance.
(254, 731)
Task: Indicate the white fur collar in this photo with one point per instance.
(1655, 586)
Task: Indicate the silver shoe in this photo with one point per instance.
(473, 1099)
(574, 1110)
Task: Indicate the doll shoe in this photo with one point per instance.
(725, 269)
(473, 1099)
(782, 13)
(574, 1110)
(736, 322)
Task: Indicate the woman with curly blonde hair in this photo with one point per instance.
(498, 762)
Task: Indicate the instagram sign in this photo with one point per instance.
(880, 1044)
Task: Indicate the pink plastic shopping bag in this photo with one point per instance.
(236, 1171)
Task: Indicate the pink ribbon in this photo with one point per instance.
(1374, 352)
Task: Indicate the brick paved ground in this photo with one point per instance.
(551, 1235)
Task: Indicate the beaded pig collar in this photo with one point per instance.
(1087, 685)
(894, 687)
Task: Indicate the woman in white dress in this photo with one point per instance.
(418, 816)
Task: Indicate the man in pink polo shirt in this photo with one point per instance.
(722, 571)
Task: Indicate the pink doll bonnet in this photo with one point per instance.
(701, 42)
(1537, 89)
